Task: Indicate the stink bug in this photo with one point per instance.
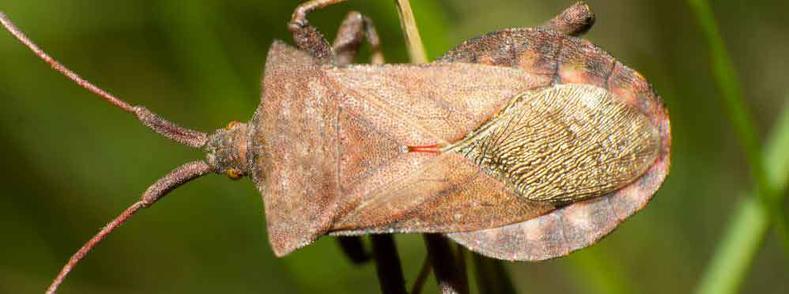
(522, 144)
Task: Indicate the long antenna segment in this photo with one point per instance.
(160, 125)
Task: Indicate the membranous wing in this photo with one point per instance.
(564, 143)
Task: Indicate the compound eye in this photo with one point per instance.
(234, 174)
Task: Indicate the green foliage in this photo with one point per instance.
(748, 227)
(746, 232)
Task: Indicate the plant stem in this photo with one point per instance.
(421, 278)
(746, 232)
(738, 114)
(387, 264)
(416, 50)
(450, 275)
(353, 247)
(491, 276)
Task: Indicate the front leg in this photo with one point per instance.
(307, 37)
(299, 17)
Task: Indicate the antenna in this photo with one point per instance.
(158, 190)
(153, 121)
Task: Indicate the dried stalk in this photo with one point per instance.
(387, 264)
(421, 278)
(491, 276)
(416, 50)
(450, 274)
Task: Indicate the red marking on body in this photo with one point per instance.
(435, 148)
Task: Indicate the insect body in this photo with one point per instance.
(514, 146)
(523, 144)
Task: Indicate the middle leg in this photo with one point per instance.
(352, 33)
(307, 37)
(573, 21)
(354, 30)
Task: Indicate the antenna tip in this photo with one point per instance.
(4, 20)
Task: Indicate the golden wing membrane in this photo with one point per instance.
(564, 143)
(568, 60)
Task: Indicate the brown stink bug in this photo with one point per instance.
(522, 144)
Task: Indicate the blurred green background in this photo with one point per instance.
(71, 162)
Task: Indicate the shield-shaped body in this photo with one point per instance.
(539, 144)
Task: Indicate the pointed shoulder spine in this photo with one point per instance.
(283, 56)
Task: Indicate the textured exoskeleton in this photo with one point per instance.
(523, 144)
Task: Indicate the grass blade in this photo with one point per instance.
(746, 232)
(738, 114)
(730, 89)
(416, 49)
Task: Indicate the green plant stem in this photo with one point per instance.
(738, 114)
(746, 231)
(449, 271)
(416, 50)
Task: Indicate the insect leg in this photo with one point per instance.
(574, 21)
(447, 268)
(299, 17)
(174, 179)
(353, 31)
(353, 248)
(307, 37)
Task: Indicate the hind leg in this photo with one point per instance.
(574, 21)
(542, 46)
(353, 31)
